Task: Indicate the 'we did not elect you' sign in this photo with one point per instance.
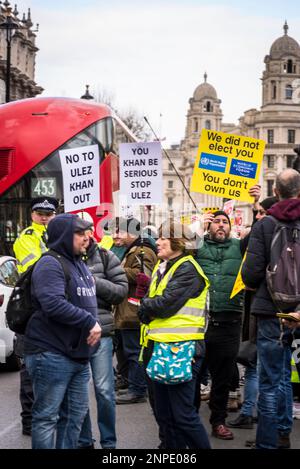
(227, 165)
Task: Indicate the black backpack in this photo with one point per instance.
(283, 271)
(19, 307)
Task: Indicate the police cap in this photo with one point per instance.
(44, 204)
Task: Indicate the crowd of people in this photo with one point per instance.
(164, 307)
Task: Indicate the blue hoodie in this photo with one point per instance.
(58, 324)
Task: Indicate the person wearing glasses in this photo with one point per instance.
(28, 248)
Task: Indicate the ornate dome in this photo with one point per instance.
(284, 45)
(205, 90)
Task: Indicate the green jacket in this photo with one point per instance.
(221, 263)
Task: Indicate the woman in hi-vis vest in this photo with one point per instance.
(172, 334)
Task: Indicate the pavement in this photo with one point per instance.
(136, 427)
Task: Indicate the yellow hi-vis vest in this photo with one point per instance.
(29, 246)
(106, 242)
(189, 322)
(295, 375)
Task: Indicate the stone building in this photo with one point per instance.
(23, 54)
(277, 121)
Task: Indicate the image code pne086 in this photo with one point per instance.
(171, 458)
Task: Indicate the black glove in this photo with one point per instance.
(144, 317)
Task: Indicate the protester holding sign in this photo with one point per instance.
(127, 233)
(220, 257)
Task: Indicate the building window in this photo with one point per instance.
(291, 136)
(288, 92)
(289, 160)
(170, 167)
(270, 184)
(289, 67)
(274, 89)
(170, 184)
(208, 125)
(196, 125)
(271, 161)
(170, 202)
(270, 136)
(208, 106)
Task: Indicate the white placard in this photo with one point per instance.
(141, 173)
(80, 169)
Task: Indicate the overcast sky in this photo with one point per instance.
(151, 55)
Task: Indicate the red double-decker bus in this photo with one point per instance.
(32, 132)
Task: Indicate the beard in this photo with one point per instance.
(219, 236)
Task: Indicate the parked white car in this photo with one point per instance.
(8, 278)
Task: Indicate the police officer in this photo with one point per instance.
(28, 248)
(31, 243)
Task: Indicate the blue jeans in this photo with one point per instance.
(136, 373)
(250, 391)
(103, 377)
(275, 400)
(57, 382)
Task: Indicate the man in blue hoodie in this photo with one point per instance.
(61, 335)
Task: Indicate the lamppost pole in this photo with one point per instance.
(8, 56)
(9, 25)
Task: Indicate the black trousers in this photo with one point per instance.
(26, 398)
(222, 344)
(122, 362)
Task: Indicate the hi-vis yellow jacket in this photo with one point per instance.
(29, 246)
(106, 242)
(294, 375)
(189, 322)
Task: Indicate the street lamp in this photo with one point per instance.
(9, 26)
(87, 94)
(296, 162)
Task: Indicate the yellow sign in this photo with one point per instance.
(227, 165)
(238, 284)
(209, 209)
(186, 219)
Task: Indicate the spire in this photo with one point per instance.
(205, 77)
(285, 28)
(29, 22)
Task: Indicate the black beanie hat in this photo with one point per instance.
(268, 202)
(221, 212)
(130, 225)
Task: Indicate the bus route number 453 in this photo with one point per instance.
(43, 187)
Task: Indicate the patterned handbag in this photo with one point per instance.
(171, 363)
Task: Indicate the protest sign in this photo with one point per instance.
(141, 173)
(227, 165)
(228, 207)
(238, 284)
(80, 170)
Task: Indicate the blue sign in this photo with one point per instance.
(213, 162)
(243, 168)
